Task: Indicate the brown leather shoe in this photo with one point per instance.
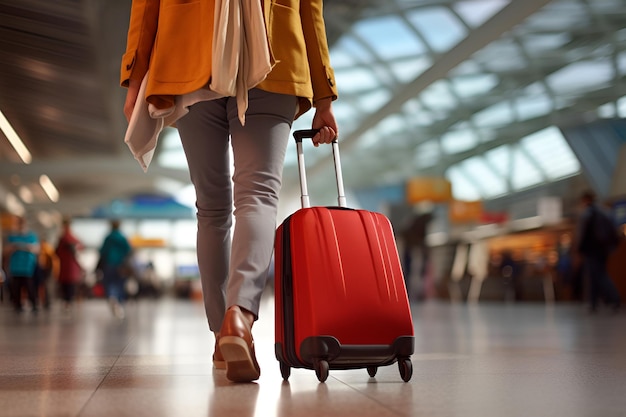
(237, 347)
(218, 358)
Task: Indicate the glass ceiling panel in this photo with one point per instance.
(491, 184)
(581, 76)
(392, 126)
(499, 114)
(475, 13)
(499, 159)
(486, 135)
(621, 107)
(606, 6)
(384, 76)
(455, 141)
(355, 80)
(439, 27)
(412, 107)
(369, 138)
(370, 102)
(438, 96)
(347, 51)
(621, 63)
(417, 113)
(407, 70)
(529, 107)
(462, 187)
(541, 43)
(524, 172)
(427, 154)
(559, 16)
(607, 111)
(536, 88)
(501, 56)
(551, 152)
(469, 67)
(469, 86)
(390, 37)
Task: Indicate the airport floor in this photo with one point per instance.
(484, 360)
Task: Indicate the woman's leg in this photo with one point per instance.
(205, 139)
(259, 153)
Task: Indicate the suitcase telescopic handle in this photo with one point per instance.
(304, 195)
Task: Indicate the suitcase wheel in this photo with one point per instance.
(406, 369)
(285, 370)
(371, 370)
(321, 369)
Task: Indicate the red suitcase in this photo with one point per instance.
(341, 302)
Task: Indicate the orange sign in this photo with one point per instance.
(7, 222)
(142, 242)
(433, 189)
(465, 211)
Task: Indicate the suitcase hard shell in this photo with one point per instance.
(341, 302)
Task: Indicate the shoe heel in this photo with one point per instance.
(240, 363)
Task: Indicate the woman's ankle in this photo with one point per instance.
(249, 316)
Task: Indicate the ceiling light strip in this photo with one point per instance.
(49, 188)
(15, 140)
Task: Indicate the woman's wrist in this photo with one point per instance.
(324, 103)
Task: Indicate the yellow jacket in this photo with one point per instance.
(173, 38)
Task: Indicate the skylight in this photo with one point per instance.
(441, 29)
(389, 37)
(462, 187)
(551, 152)
(477, 12)
(489, 182)
(581, 76)
(455, 141)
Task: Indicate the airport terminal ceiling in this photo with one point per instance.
(475, 91)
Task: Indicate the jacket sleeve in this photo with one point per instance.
(142, 28)
(322, 75)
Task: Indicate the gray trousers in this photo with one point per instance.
(236, 273)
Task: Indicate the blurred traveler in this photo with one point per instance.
(71, 272)
(150, 284)
(510, 271)
(416, 248)
(597, 238)
(115, 256)
(301, 77)
(22, 249)
(568, 268)
(46, 273)
(3, 281)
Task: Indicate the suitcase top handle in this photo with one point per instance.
(304, 192)
(304, 134)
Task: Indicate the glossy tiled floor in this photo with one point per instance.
(483, 360)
